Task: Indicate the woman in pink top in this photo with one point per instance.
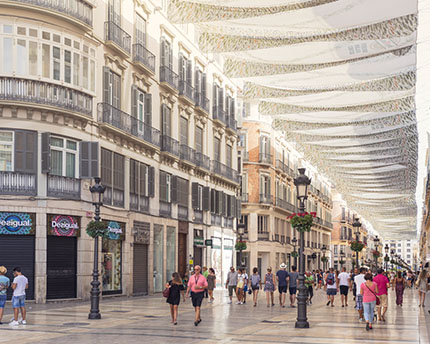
(369, 289)
(197, 284)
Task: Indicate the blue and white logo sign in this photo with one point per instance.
(115, 230)
(16, 223)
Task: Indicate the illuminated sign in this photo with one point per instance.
(63, 225)
(17, 223)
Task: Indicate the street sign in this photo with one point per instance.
(208, 242)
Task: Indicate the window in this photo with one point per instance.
(166, 54)
(140, 31)
(408, 244)
(183, 192)
(114, 9)
(263, 223)
(21, 62)
(6, 151)
(183, 130)
(76, 69)
(408, 250)
(399, 250)
(139, 178)
(166, 120)
(265, 185)
(7, 55)
(198, 140)
(46, 58)
(67, 66)
(112, 88)
(63, 157)
(165, 186)
(112, 174)
(265, 145)
(408, 256)
(229, 155)
(335, 249)
(217, 149)
(399, 245)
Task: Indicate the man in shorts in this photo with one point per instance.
(293, 285)
(359, 280)
(4, 284)
(344, 282)
(282, 277)
(197, 285)
(231, 283)
(19, 285)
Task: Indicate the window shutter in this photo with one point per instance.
(151, 183)
(89, 159)
(230, 206)
(261, 144)
(269, 187)
(195, 195)
(163, 52)
(220, 98)
(268, 146)
(134, 101)
(46, 153)
(106, 76)
(213, 201)
(238, 208)
(163, 186)
(214, 99)
(148, 109)
(204, 84)
(205, 196)
(218, 207)
(233, 108)
(181, 67)
(190, 72)
(197, 85)
(174, 189)
(25, 151)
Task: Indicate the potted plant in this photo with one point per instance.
(376, 254)
(294, 254)
(302, 224)
(356, 245)
(97, 229)
(324, 259)
(240, 245)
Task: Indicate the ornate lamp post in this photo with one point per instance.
(324, 249)
(392, 258)
(302, 182)
(356, 225)
(387, 249)
(376, 241)
(294, 241)
(241, 232)
(342, 256)
(97, 191)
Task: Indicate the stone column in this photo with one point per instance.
(40, 255)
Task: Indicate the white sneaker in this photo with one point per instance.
(361, 320)
(24, 322)
(229, 302)
(238, 303)
(14, 323)
(241, 303)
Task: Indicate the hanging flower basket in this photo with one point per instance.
(302, 224)
(324, 259)
(386, 259)
(97, 229)
(294, 254)
(356, 246)
(342, 262)
(240, 245)
(376, 254)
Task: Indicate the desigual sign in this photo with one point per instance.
(17, 223)
(116, 230)
(63, 225)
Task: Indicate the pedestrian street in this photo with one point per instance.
(147, 319)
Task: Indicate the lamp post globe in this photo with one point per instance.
(97, 191)
(302, 182)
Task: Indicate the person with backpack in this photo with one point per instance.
(255, 285)
(332, 283)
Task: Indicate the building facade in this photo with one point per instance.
(424, 242)
(112, 89)
(407, 250)
(269, 198)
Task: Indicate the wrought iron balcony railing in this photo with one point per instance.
(265, 158)
(18, 183)
(224, 170)
(285, 205)
(45, 93)
(122, 120)
(266, 199)
(165, 209)
(117, 35)
(187, 153)
(219, 114)
(64, 187)
(201, 101)
(186, 89)
(170, 145)
(169, 76)
(202, 161)
(182, 212)
(144, 56)
(139, 203)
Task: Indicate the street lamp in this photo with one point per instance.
(342, 255)
(302, 182)
(241, 232)
(97, 191)
(387, 249)
(356, 225)
(392, 258)
(294, 241)
(324, 249)
(376, 241)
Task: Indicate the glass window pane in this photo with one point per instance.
(85, 72)
(93, 76)
(7, 28)
(45, 60)
(6, 136)
(56, 142)
(21, 62)
(56, 63)
(32, 32)
(68, 42)
(71, 145)
(56, 163)
(67, 66)
(76, 68)
(7, 55)
(46, 35)
(70, 165)
(32, 58)
(21, 30)
(56, 38)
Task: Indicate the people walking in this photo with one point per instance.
(211, 284)
(369, 289)
(245, 287)
(282, 278)
(19, 285)
(231, 283)
(293, 276)
(332, 283)
(309, 284)
(422, 287)
(399, 285)
(205, 273)
(197, 284)
(353, 286)
(319, 279)
(383, 284)
(344, 283)
(359, 280)
(269, 286)
(255, 285)
(176, 290)
(240, 287)
(4, 285)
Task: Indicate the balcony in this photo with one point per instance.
(17, 183)
(285, 205)
(186, 89)
(224, 171)
(43, 94)
(144, 58)
(277, 237)
(228, 222)
(198, 216)
(117, 38)
(266, 199)
(245, 156)
(139, 203)
(186, 153)
(263, 236)
(232, 123)
(165, 209)
(265, 158)
(129, 124)
(201, 101)
(169, 145)
(216, 219)
(218, 114)
(182, 212)
(327, 224)
(202, 161)
(78, 11)
(280, 165)
(64, 187)
(244, 197)
(169, 77)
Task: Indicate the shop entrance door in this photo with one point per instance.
(140, 269)
(61, 267)
(182, 254)
(18, 250)
(198, 255)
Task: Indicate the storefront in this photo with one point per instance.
(158, 254)
(141, 232)
(182, 247)
(216, 258)
(227, 256)
(199, 245)
(17, 246)
(170, 252)
(63, 231)
(112, 258)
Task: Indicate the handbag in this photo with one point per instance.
(378, 301)
(166, 292)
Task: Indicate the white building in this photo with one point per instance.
(406, 249)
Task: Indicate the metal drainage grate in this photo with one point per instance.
(119, 311)
(271, 321)
(76, 324)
